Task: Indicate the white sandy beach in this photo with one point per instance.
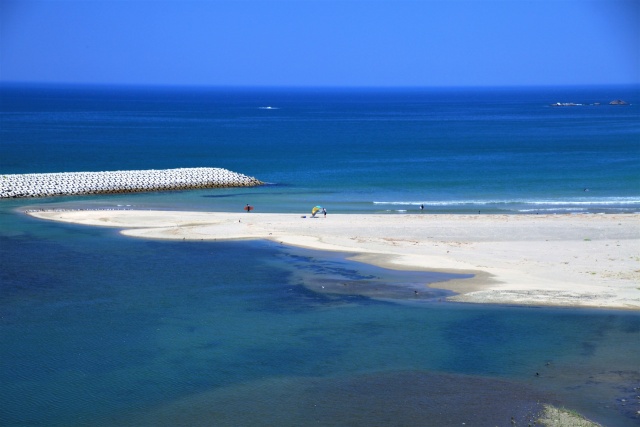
(559, 260)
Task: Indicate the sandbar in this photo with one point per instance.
(586, 260)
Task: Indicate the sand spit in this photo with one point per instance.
(554, 260)
(77, 183)
(560, 417)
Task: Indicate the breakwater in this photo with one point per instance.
(132, 181)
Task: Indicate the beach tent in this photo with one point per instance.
(315, 210)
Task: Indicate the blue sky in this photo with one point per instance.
(321, 42)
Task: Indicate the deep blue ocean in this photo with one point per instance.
(495, 150)
(100, 329)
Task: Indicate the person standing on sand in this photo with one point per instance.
(324, 212)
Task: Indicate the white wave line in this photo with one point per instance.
(568, 202)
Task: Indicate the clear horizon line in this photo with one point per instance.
(297, 86)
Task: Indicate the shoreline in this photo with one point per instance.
(589, 260)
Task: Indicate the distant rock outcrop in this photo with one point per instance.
(618, 102)
(574, 104)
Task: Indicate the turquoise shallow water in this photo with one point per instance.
(99, 329)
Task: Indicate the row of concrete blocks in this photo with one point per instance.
(78, 183)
